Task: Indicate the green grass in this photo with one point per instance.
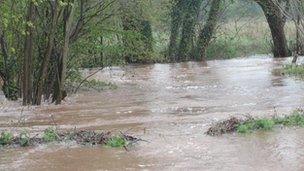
(295, 119)
(229, 47)
(50, 135)
(117, 142)
(295, 70)
(260, 124)
(6, 138)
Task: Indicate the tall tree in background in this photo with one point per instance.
(67, 20)
(46, 30)
(28, 56)
(137, 38)
(276, 24)
(208, 30)
(48, 52)
(188, 30)
(295, 12)
(176, 18)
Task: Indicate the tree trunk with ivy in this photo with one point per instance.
(208, 30)
(188, 30)
(176, 18)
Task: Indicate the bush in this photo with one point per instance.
(242, 129)
(264, 124)
(6, 138)
(50, 135)
(260, 124)
(24, 139)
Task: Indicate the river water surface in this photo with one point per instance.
(171, 106)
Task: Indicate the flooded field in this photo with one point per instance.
(171, 106)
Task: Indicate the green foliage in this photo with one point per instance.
(24, 139)
(243, 129)
(50, 135)
(295, 70)
(264, 124)
(6, 138)
(231, 46)
(10, 90)
(117, 142)
(296, 119)
(260, 124)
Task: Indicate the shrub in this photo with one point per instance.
(295, 70)
(264, 124)
(50, 135)
(24, 139)
(6, 138)
(259, 124)
(242, 129)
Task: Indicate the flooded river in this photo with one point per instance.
(171, 106)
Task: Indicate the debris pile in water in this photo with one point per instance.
(82, 137)
(224, 127)
(248, 125)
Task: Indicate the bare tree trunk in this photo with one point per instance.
(68, 18)
(47, 56)
(296, 54)
(276, 24)
(208, 31)
(28, 55)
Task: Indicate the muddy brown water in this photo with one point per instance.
(171, 106)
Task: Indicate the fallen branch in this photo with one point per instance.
(85, 79)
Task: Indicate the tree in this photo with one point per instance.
(276, 24)
(137, 36)
(188, 31)
(48, 52)
(295, 12)
(28, 56)
(208, 30)
(176, 18)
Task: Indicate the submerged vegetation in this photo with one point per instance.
(81, 137)
(77, 82)
(294, 70)
(117, 141)
(6, 138)
(50, 135)
(254, 124)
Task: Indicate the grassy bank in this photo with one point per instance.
(294, 70)
(243, 126)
